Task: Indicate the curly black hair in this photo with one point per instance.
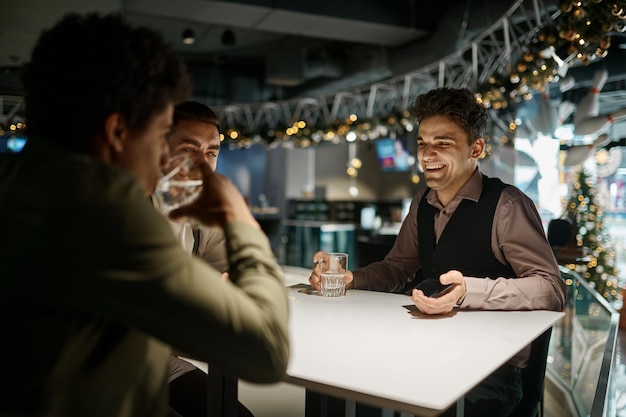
(89, 66)
(456, 104)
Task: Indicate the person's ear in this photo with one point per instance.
(478, 147)
(116, 131)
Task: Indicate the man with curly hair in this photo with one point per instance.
(480, 237)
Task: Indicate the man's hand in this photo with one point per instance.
(446, 302)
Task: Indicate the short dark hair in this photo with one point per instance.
(456, 104)
(197, 112)
(89, 66)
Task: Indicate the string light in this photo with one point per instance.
(580, 32)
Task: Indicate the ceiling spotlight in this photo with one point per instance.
(189, 37)
(228, 37)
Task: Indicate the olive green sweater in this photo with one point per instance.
(94, 289)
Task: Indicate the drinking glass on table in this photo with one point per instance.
(333, 271)
(181, 184)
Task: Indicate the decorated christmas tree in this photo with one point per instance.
(583, 208)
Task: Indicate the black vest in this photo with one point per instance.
(465, 244)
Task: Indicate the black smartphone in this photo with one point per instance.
(433, 288)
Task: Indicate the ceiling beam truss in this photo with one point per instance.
(11, 108)
(470, 66)
(489, 52)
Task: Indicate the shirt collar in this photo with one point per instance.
(470, 191)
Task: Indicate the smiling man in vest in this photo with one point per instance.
(482, 238)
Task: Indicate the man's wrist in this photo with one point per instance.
(350, 285)
(462, 298)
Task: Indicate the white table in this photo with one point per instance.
(366, 347)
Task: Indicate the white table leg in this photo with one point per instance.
(387, 412)
(350, 408)
(323, 405)
(460, 407)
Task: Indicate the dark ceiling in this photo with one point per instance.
(284, 49)
(279, 49)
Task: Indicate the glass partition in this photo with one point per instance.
(582, 349)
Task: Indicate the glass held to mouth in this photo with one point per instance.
(180, 184)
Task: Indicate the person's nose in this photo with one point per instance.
(199, 158)
(426, 153)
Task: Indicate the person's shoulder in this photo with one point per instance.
(508, 191)
(511, 193)
(495, 182)
(105, 190)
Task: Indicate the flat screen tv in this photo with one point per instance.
(393, 155)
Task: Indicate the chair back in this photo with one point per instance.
(533, 377)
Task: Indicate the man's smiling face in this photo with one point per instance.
(446, 156)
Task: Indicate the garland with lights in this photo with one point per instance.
(580, 33)
(302, 135)
(600, 270)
